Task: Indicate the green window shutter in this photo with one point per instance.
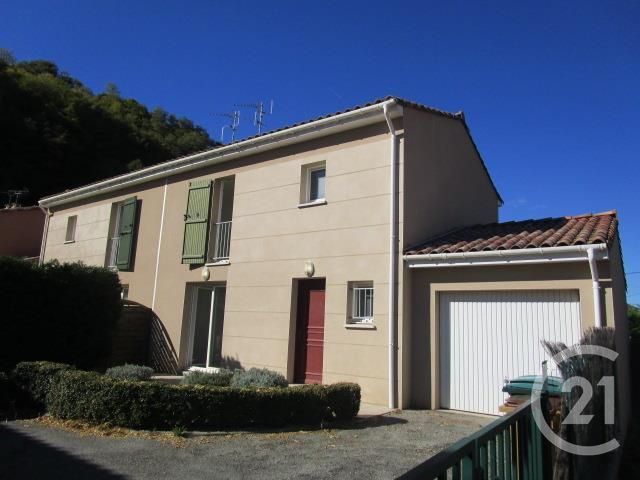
(126, 230)
(196, 222)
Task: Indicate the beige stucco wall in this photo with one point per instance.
(92, 230)
(427, 283)
(271, 238)
(445, 187)
(619, 305)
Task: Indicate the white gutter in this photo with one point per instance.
(597, 307)
(393, 257)
(572, 253)
(325, 126)
(45, 233)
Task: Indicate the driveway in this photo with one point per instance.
(379, 447)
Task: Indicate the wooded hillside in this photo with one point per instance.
(55, 134)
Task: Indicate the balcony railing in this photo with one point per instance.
(223, 238)
(113, 252)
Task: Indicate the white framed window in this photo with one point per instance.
(312, 189)
(70, 235)
(361, 303)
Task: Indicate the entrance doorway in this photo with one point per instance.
(206, 324)
(309, 331)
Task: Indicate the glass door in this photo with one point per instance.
(207, 320)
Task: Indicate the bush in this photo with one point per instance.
(58, 312)
(130, 372)
(7, 393)
(34, 381)
(97, 399)
(222, 378)
(258, 377)
(344, 400)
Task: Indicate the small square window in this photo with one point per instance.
(70, 236)
(312, 189)
(361, 299)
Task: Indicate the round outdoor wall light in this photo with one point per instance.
(309, 269)
(206, 273)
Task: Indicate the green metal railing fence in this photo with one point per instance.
(510, 448)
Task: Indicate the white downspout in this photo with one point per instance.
(593, 266)
(393, 258)
(45, 232)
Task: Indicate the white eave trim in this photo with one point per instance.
(573, 253)
(318, 128)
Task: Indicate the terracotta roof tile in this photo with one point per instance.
(546, 232)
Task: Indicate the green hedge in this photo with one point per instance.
(34, 381)
(57, 312)
(344, 399)
(7, 394)
(97, 399)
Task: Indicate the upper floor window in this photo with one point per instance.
(207, 228)
(120, 248)
(312, 188)
(70, 235)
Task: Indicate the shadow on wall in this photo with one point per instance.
(230, 363)
(162, 354)
(19, 451)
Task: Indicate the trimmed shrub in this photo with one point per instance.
(344, 400)
(59, 312)
(34, 381)
(97, 399)
(222, 378)
(258, 377)
(130, 372)
(7, 393)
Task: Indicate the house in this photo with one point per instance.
(359, 246)
(21, 230)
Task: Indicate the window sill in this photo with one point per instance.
(217, 264)
(320, 201)
(360, 326)
(69, 241)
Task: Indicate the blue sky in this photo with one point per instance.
(550, 89)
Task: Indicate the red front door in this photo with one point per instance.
(310, 332)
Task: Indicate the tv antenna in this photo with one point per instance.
(14, 197)
(259, 114)
(233, 126)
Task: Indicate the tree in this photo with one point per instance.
(57, 135)
(6, 57)
(112, 89)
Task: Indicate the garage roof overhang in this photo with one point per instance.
(571, 253)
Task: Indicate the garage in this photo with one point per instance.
(488, 336)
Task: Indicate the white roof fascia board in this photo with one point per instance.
(572, 253)
(308, 131)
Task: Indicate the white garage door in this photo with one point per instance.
(486, 337)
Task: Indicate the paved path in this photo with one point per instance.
(380, 447)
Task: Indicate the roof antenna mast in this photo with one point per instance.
(13, 197)
(233, 126)
(260, 113)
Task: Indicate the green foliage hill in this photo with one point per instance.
(55, 134)
(634, 320)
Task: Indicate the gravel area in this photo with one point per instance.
(378, 447)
